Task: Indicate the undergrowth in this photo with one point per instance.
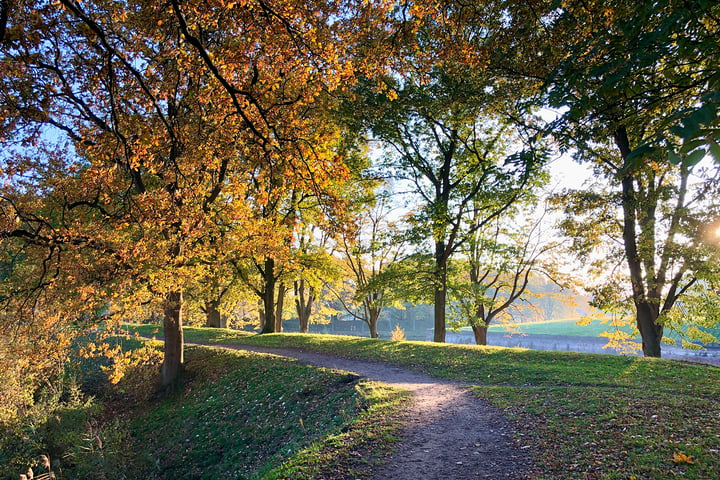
(72, 429)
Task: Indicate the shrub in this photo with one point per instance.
(398, 334)
(62, 422)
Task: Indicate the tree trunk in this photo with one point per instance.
(372, 323)
(269, 296)
(373, 330)
(304, 324)
(174, 342)
(303, 304)
(481, 323)
(213, 318)
(650, 331)
(440, 292)
(480, 334)
(439, 312)
(304, 318)
(261, 314)
(646, 314)
(282, 289)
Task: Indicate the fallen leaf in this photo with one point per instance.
(680, 457)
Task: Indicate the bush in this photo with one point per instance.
(83, 436)
(52, 425)
(398, 334)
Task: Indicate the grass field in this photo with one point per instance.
(584, 416)
(556, 327)
(569, 327)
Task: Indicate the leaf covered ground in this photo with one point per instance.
(584, 416)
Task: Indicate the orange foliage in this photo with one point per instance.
(680, 457)
(187, 125)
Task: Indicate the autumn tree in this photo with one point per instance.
(295, 263)
(637, 83)
(214, 290)
(314, 267)
(166, 115)
(502, 258)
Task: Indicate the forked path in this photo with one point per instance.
(449, 433)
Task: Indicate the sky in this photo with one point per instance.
(567, 173)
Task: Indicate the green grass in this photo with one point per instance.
(247, 415)
(585, 416)
(570, 328)
(556, 327)
(353, 451)
(614, 433)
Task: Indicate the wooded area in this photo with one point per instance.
(349, 155)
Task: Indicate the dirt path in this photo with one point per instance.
(449, 433)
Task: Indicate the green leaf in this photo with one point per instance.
(636, 154)
(680, 131)
(691, 145)
(692, 126)
(695, 157)
(714, 150)
(705, 115)
(673, 157)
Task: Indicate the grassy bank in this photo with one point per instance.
(585, 416)
(245, 415)
(234, 414)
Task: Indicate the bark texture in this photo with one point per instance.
(480, 333)
(268, 296)
(304, 300)
(440, 295)
(279, 305)
(213, 318)
(174, 341)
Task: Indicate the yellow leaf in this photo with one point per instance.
(584, 321)
(680, 457)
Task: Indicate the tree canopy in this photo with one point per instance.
(152, 151)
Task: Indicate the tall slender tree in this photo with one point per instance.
(370, 254)
(502, 259)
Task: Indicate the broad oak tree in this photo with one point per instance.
(165, 114)
(443, 147)
(441, 117)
